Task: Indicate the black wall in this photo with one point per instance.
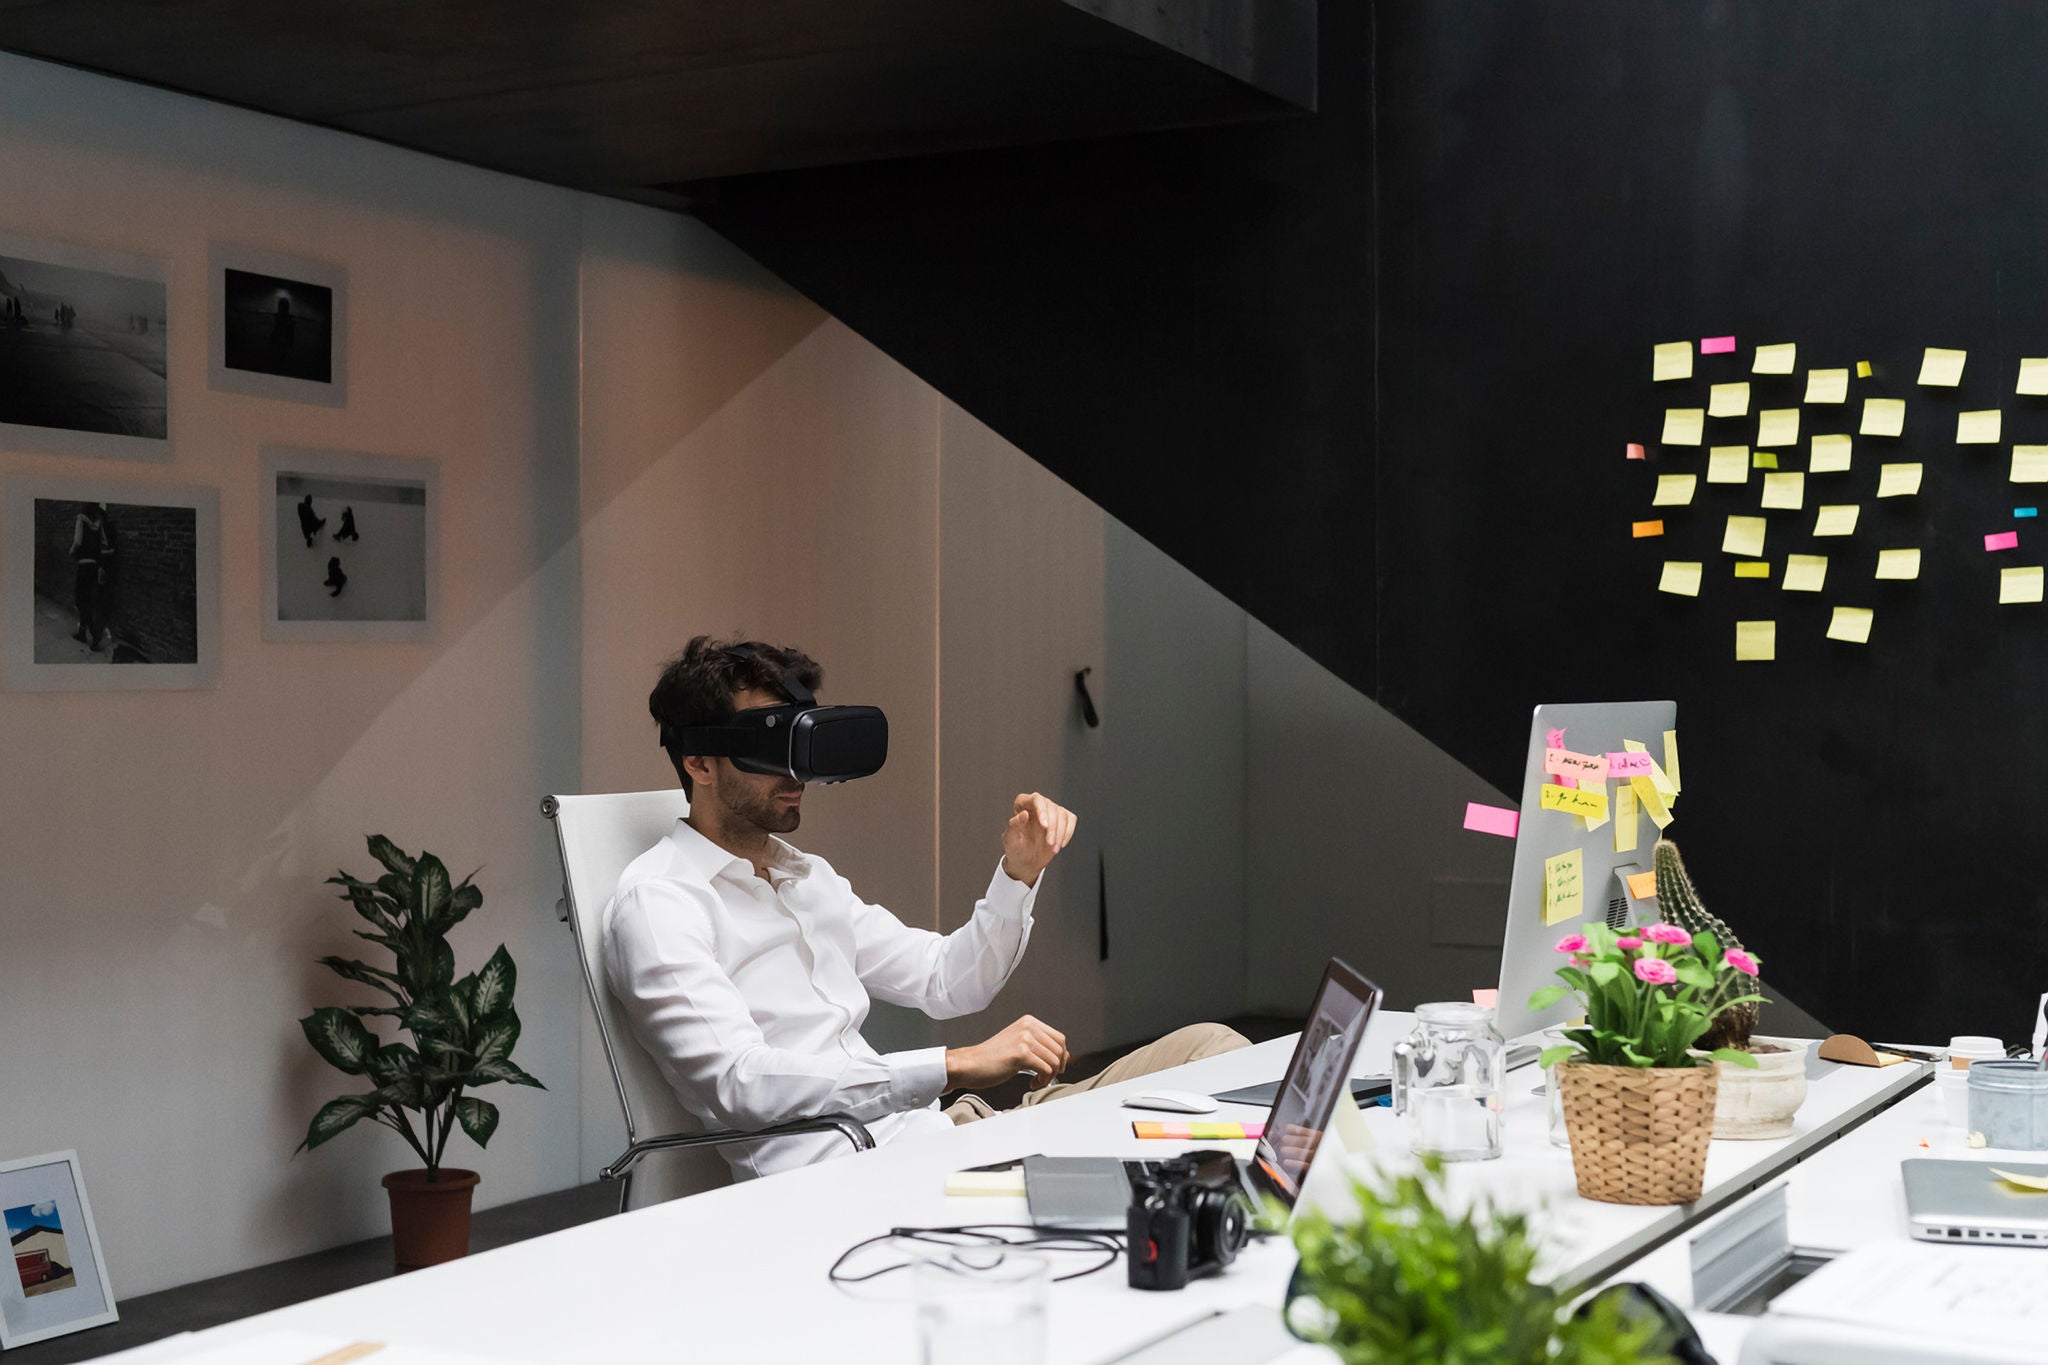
(1371, 373)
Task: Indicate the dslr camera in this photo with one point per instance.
(1189, 1217)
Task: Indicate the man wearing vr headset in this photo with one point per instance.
(747, 966)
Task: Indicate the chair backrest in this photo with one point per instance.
(598, 836)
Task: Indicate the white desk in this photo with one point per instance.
(738, 1274)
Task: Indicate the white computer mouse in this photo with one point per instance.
(1173, 1101)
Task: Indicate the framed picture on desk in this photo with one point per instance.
(58, 1281)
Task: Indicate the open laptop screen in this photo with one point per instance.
(1319, 1069)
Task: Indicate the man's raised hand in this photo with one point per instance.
(1038, 829)
(1026, 1045)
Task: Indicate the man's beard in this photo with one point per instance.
(765, 811)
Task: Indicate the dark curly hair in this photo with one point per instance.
(697, 686)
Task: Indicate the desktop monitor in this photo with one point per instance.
(1528, 958)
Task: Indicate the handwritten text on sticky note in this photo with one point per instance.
(1574, 801)
(1565, 763)
(1564, 886)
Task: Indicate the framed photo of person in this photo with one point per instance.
(84, 350)
(59, 1278)
(109, 586)
(280, 326)
(350, 546)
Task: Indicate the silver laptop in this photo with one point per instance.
(1962, 1201)
(1093, 1193)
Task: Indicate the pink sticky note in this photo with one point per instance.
(1492, 819)
(1716, 345)
(1487, 996)
(1628, 765)
(1555, 739)
(2004, 540)
(1635, 452)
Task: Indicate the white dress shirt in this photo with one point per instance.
(750, 994)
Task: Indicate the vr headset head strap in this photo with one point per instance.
(792, 688)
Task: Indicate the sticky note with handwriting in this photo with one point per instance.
(1851, 624)
(1827, 386)
(1756, 641)
(1744, 536)
(1627, 764)
(1671, 758)
(1682, 426)
(1881, 417)
(1942, 369)
(1728, 464)
(1636, 451)
(1897, 480)
(1586, 767)
(2029, 464)
(1674, 490)
(2019, 585)
(1978, 428)
(1830, 455)
(1785, 491)
(1573, 800)
(1777, 427)
(1782, 358)
(1641, 529)
(2002, 540)
(1681, 578)
(1898, 563)
(1805, 573)
(1764, 459)
(1728, 400)
(1564, 886)
(2033, 375)
(1716, 345)
(1492, 819)
(1625, 809)
(1837, 519)
(1657, 778)
(1753, 568)
(1671, 360)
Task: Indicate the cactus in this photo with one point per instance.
(1679, 903)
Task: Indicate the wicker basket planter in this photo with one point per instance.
(1639, 1134)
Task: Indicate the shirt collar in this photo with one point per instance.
(699, 855)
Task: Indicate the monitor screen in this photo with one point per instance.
(1318, 1071)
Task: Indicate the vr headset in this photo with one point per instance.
(800, 740)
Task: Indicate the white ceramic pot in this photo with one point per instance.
(1760, 1102)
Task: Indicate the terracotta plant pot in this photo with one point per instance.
(429, 1219)
(1761, 1102)
(1639, 1134)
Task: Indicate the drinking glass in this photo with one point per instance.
(1450, 1082)
(982, 1306)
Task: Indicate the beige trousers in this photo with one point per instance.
(1182, 1045)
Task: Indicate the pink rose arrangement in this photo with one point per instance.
(1648, 995)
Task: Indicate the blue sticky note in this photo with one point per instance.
(2026, 511)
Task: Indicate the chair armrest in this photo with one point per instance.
(853, 1130)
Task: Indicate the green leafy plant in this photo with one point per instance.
(462, 1031)
(1409, 1283)
(1649, 995)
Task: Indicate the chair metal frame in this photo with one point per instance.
(637, 1147)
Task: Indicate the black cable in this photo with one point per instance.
(1108, 1246)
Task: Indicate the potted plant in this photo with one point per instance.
(1409, 1283)
(1757, 1101)
(1638, 1099)
(462, 1032)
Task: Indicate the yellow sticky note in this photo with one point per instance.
(1574, 800)
(1728, 464)
(2020, 585)
(1657, 777)
(1764, 459)
(1564, 886)
(1744, 536)
(2025, 1182)
(1782, 358)
(1753, 568)
(1778, 427)
(1674, 490)
(1681, 578)
(1625, 810)
(1651, 802)
(1590, 823)
(1786, 491)
(1671, 759)
(1805, 573)
(1827, 386)
(1977, 428)
(1942, 369)
(1728, 400)
(1851, 624)
(1682, 426)
(1898, 563)
(1837, 519)
(2033, 375)
(1881, 417)
(1897, 480)
(1672, 360)
(1863, 369)
(1756, 641)
(2030, 464)
(1830, 455)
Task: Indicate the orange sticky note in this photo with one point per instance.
(1642, 885)
(1636, 452)
(1648, 528)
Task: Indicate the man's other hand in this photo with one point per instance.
(1038, 829)
(1026, 1045)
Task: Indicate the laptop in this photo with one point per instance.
(1962, 1201)
(1093, 1193)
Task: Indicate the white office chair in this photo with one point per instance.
(598, 836)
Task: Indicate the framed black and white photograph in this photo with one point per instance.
(59, 1282)
(349, 546)
(280, 326)
(84, 350)
(109, 586)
